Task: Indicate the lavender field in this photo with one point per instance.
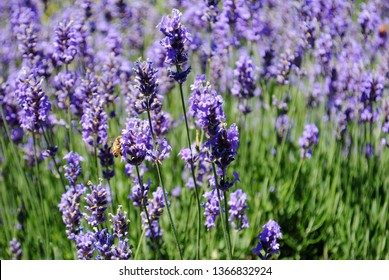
(196, 129)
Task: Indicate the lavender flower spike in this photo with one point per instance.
(16, 249)
(73, 168)
(33, 102)
(211, 208)
(245, 80)
(175, 43)
(147, 86)
(155, 209)
(136, 141)
(85, 245)
(97, 202)
(120, 223)
(66, 42)
(70, 209)
(310, 138)
(238, 206)
(268, 240)
(94, 122)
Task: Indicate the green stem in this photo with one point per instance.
(163, 188)
(191, 167)
(139, 243)
(145, 208)
(53, 158)
(226, 221)
(37, 174)
(221, 214)
(69, 116)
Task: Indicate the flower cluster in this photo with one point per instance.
(33, 102)
(70, 209)
(146, 86)
(238, 206)
(310, 138)
(211, 208)
(154, 211)
(65, 42)
(97, 202)
(73, 168)
(16, 249)
(94, 122)
(136, 141)
(175, 41)
(268, 240)
(245, 81)
(206, 106)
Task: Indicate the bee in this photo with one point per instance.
(116, 147)
(383, 30)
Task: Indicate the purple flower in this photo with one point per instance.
(136, 141)
(85, 245)
(176, 191)
(64, 84)
(371, 90)
(138, 195)
(73, 168)
(369, 150)
(107, 161)
(238, 206)
(161, 122)
(16, 249)
(122, 251)
(282, 125)
(26, 30)
(103, 244)
(175, 43)
(120, 223)
(157, 204)
(310, 138)
(323, 52)
(84, 92)
(147, 86)
(9, 103)
(368, 18)
(155, 209)
(94, 122)
(206, 106)
(245, 80)
(65, 42)
(110, 77)
(224, 146)
(161, 151)
(155, 232)
(70, 209)
(268, 240)
(97, 202)
(211, 208)
(33, 102)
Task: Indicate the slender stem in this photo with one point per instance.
(37, 174)
(279, 155)
(53, 158)
(191, 167)
(226, 220)
(221, 213)
(70, 131)
(145, 208)
(96, 160)
(163, 187)
(139, 243)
